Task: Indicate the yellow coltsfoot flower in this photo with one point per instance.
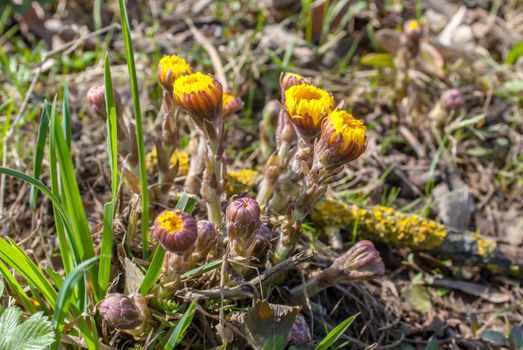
(201, 96)
(342, 138)
(412, 29)
(182, 157)
(307, 106)
(171, 68)
(242, 180)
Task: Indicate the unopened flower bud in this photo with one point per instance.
(260, 247)
(207, 238)
(231, 104)
(175, 230)
(288, 79)
(243, 221)
(175, 264)
(300, 332)
(171, 68)
(307, 106)
(452, 100)
(120, 311)
(413, 30)
(201, 96)
(287, 135)
(361, 262)
(265, 231)
(96, 100)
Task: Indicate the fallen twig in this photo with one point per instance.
(248, 289)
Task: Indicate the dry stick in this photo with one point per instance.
(222, 286)
(29, 93)
(231, 326)
(248, 289)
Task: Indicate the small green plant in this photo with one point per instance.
(34, 333)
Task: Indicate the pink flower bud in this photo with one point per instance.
(361, 262)
(243, 219)
(265, 231)
(96, 100)
(175, 264)
(261, 247)
(300, 332)
(120, 311)
(289, 79)
(207, 237)
(452, 100)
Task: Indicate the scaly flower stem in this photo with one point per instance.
(198, 149)
(288, 236)
(166, 146)
(212, 188)
(288, 182)
(271, 175)
(313, 188)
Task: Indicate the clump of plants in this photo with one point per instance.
(203, 246)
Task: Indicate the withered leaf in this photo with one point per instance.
(268, 325)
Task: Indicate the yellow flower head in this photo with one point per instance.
(343, 136)
(182, 157)
(200, 95)
(230, 104)
(171, 221)
(175, 230)
(412, 29)
(242, 180)
(171, 68)
(413, 25)
(307, 105)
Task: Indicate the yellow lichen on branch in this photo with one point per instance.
(381, 223)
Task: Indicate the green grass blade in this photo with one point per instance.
(75, 208)
(61, 214)
(112, 150)
(66, 121)
(39, 151)
(203, 269)
(66, 292)
(60, 224)
(181, 327)
(186, 203)
(57, 279)
(112, 140)
(154, 270)
(73, 199)
(104, 273)
(17, 289)
(139, 128)
(335, 333)
(17, 259)
(90, 333)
